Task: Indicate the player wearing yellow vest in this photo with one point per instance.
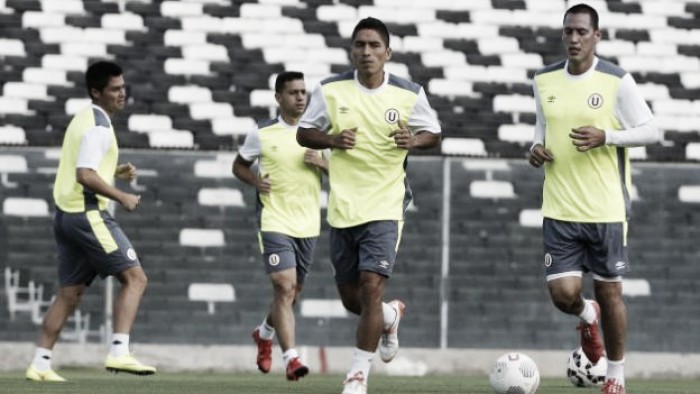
(588, 112)
(90, 242)
(288, 185)
(370, 119)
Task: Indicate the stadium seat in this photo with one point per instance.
(211, 293)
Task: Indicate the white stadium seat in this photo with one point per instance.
(513, 103)
(12, 135)
(84, 49)
(212, 110)
(232, 126)
(491, 189)
(530, 218)
(323, 309)
(463, 146)
(336, 13)
(220, 168)
(211, 293)
(123, 21)
(178, 139)
(224, 197)
(189, 94)
(37, 19)
(9, 105)
(186, 67)
(523, 133)
(25, 90)
(689, 193)
(26, 207)
(75, 105)
(202, 237)
(210, 52)
(177, 9)
(149, 123)
(260, 11)
(66, 63)
(182, 38)
(11, 47)
(63, 6)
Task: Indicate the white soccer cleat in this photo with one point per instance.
(355, 384)
(389, 342)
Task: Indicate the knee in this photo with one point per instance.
(286, 291)
(134, 277)
(566, 301)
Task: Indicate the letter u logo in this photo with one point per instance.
(595, 101)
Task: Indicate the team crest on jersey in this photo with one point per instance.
(274, 259)
(391, 116)
(595, 101)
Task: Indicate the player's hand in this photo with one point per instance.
(587, 137)
(539, 155)
(126, 172)
(264, 184)
(403, 137)
(130, 201)
(311, 157)
(345, 140)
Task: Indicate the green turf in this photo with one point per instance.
(96, 381)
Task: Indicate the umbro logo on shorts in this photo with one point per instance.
(384, 264)
(620, 265)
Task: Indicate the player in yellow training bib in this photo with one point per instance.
(588, 112)
(370, 119)
(288, 185)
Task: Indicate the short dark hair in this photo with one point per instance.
(584, 9)
(99, 73)
(372, 24)
(284, 77)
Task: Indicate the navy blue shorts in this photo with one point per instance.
(90, 243)
(581, 247)
(368, 247)
(281, 252)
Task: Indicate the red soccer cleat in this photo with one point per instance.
(591, 343)
(296, 370)
(612, 387)
(264, 352)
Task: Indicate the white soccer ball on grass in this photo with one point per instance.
(514, 373)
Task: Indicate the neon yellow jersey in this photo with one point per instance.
(89, 142)
(587, 186)
(368, 183)
(293, 205)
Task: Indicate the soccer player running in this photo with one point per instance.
(90, 241)
(588, 112)
(288, 185)
(370, 119)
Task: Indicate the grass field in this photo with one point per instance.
(98, 382)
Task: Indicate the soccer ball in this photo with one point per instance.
(514, 373)
(582, 373)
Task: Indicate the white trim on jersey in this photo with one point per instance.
(251, 149)
(423, 117)
(93, 147)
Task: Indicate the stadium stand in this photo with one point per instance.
(200, 77)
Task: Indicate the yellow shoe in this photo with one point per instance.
(46, 376)
(127, 363)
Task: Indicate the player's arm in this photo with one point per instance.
(248, 153)
(538, 153)
(91, 180)
(242, 169)
(93, 147)
(316, 139)
(422, 131)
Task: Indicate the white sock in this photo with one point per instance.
(266, 331)
(588, 314)
(361, 362)
(289, 355)
(120, 345)
(390, 315)
(616, 370)
(42, 359)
